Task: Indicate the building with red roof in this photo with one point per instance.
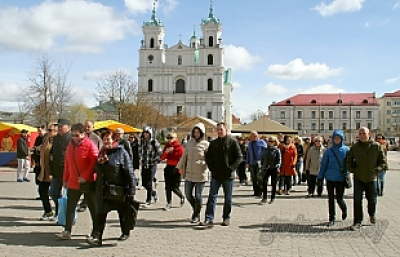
(323, 113)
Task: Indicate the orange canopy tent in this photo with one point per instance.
(113, 125)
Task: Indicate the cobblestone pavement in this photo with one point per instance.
(292, 226)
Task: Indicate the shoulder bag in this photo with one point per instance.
(346, 176)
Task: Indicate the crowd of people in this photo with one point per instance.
(75, 161)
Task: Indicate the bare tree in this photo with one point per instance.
(118, 89)
(49, 90)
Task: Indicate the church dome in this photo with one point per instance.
(211, 18)
(153, 21)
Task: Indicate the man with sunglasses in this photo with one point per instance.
(60, 143)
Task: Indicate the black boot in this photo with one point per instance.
(95, 241)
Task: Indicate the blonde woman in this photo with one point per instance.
(44, 174)
(298, 142)
(313, 162)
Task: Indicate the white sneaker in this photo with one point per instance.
(65, 235)
(47, 216)
(167, 207)
(146, 205)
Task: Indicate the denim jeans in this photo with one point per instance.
(195, 201)
(254, 172)
(55, 191)
(285, 181)
(299, 168)
(339, 187)
(370, 193)
(227, 187)
(380, 183)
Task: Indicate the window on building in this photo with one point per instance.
(330, 126)
(388, 130)
(358, 114)
(344, 126)
(358, 125)
(322, 115)
(344, 114)
(313, 126)
(299, 126)
(313, 114)
(179, 60)
(210, 41)
(396, 102)
(299, 114)
(179, 109)
(369, 125)
(180, 86)
(210, 85)
(210, 59)
(283, 114)
(330, 113)
(209, 115)
(152, 43)
(369, 114)
(389, 103)
(388, 112)
(322, 126)
(388, 121)
(150, 85)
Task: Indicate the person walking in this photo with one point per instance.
(79, 176)
(271, 162)
(45, 170)
(57, 160)
(172, 153)
(23, 157)
(41, 130)
(194, 169)
(89, 129)
(380, 182)
(121, 140)
(223, 157)
(366, 159)
(242, 166)
(298, 142)
(313, 166)
(115, 187)
(288, 167)
(253, 160)
(333, 170)
(150, 153)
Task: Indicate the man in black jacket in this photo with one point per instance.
(23, 157)
(223, 157)
(57, 157)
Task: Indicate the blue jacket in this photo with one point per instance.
(255, 149)
(330, 168)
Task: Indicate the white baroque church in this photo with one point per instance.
(190, 79)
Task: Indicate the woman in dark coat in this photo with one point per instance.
(115, 188)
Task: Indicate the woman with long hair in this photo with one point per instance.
(288, 168)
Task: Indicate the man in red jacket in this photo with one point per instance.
(79, 176)
(173, 152)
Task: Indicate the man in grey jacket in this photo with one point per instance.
(23, 158)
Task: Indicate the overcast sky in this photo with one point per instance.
(275, 48)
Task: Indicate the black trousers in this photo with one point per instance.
(73, 198)
(148, 175)
(102, 219)
(274, 177)
(44, 195)
(312, 184)
(339, 188)
(172, 183)
(242, 172)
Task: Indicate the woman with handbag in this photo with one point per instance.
(115, 188)
(333, 170)
(270, 161)
(79, 177)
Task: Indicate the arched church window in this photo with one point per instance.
(150, 85)
(210, 59)
(180, 86)
(179, 60)
(152, 43)
(210, 85)
(210, 41)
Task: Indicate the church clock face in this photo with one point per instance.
(150, 58)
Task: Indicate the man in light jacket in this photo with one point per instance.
(253, 160)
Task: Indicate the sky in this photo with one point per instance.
(276, 49)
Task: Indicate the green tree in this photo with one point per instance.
(79, 113)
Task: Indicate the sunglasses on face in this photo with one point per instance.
(271, 141)
(76, 135)
(379, 138)
(317, 141)
(169, 138)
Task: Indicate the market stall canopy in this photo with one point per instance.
(16, 128)
(265, 126)
(113, 125)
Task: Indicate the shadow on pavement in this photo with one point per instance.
(35, 239)
(24, 222)
(159, 224)
(293, 228)
(24, 207)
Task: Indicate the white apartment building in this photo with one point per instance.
(323, 113)
(390, 114)
(189, 78)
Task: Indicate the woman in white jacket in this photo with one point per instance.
(194, 169)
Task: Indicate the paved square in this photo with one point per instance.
(292, 226)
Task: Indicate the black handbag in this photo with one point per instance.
(347, 178)
(115, 193)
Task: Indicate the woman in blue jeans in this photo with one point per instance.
(333, 170)
(380, 182)
(194, 169)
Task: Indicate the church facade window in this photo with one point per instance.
(180, 86)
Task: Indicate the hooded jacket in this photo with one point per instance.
(314, 157)
(369, 157)
(192, 163)
(149, 150)
(175, 155)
